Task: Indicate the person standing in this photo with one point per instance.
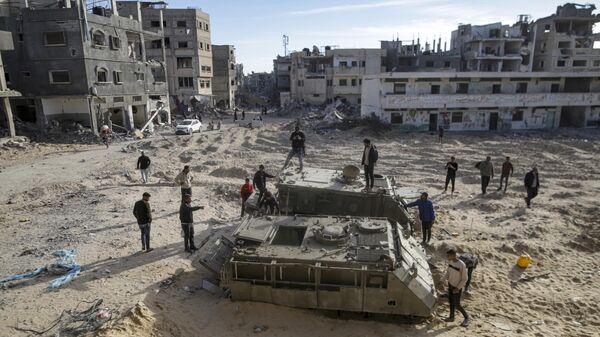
(184, 179)
(260, 182)
(243, 114)
(470, 262)
(486, 168)
(451, 167)
(143, 213)
(186, 216)
(532, 184)
(298, 149)
(507, 170)
(235, 115)
(440, 133)
(456, 275)
(105, 133)
(143, 164)
(426, 215)
(369, 159)
(245, 193)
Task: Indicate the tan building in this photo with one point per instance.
(188, 48)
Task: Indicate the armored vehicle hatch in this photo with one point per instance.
(336, 263)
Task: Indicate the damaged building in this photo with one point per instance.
(88, 64)
(529, 75)
(224, 76)
(186, 47)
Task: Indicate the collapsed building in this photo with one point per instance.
(87, 63)
(224, 78)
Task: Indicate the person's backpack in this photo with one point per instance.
(470, 261)
(375, 154)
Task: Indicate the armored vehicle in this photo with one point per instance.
(341, 192)
(344, 263)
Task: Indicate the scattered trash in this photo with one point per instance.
(524, 261)
(501, 326)
(74, 322)
(66, 266)
(533, 277)
(260, 328)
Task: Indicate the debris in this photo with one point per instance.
(212, 287)
(66, 265)
(260, 328)
(501, 326)
(533, 277)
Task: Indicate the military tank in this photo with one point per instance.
(361, 264)
(341, 192)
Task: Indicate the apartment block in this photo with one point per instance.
(400, 57)
(224, 76)
(6, 116)
(463, 101)
(565, 41)
(282, 67)
(319, 78)
(187, 48)
(88, 65)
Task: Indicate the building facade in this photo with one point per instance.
(463, 101)
(187, 48)
(88, 66)
(224, 76)
(319, 78)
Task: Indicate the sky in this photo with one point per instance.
(256, 27)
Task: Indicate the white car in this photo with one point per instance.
(188, 127)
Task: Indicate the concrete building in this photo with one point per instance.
(319, 78)
(401, 57)
(188, 48)
(224, 76)
(6, 116)
(461, 101)
(282, 66)
(494, 47)
(565, 41)
(88, 65)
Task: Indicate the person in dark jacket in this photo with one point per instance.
(426, 215)
(186, 216)
(143, 164)
(532, 184)
(269, 203)
(486, 168)
(451, 167)
(245, 193)
(471, 261)
(441, 133)
(507, 171)
(143, 213)
(298, 149)
(260, 182)
(369, 159)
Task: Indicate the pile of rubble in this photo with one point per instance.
(19, 142)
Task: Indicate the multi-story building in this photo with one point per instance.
(187, 47)
(565, 41)
(84, 65)
(282, 66)
(421, 101)
(224, 75)
(6, 116)
(401, 57)
(494, 47)
(318, 78)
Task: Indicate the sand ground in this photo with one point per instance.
(81, 196)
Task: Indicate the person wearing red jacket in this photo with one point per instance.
(245, 193)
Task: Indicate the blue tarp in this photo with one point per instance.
(66, 264)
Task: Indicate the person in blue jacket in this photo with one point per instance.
(426, 214)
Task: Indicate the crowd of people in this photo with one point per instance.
(460, 268)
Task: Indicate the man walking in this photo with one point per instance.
(451, 167)
(486, 168)
(260, 182)
(441, 133)
(184, 179)
(186, 216)
(532, 184)
(456, 275)
(245, 193)
(507, 170)
(143, 213)
(297, 139)
(470, 262)
(243, 114)
(143, 164)
(369, 159)
(426, 215)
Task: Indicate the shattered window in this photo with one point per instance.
(54, 39)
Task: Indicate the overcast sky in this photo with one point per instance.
(255, 27)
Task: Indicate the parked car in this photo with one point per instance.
(188, 127)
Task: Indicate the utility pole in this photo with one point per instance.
(286, 41)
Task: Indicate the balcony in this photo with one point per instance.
(497, 100)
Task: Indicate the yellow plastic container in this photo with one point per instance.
(524, 261)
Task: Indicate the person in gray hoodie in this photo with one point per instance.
(186, 216)
(486, 168)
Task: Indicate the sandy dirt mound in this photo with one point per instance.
(229, 172)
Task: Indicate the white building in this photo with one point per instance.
(422, 101)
